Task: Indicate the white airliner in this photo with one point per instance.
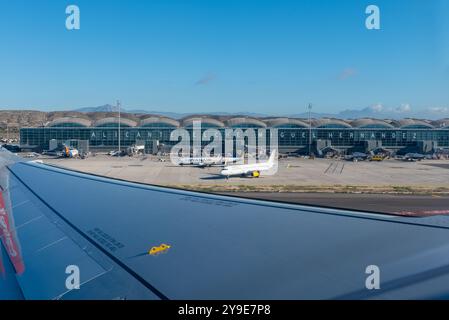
(207, 161)
(252, 169)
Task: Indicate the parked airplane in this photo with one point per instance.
(207, 161)
(252, 170)
(70, 152)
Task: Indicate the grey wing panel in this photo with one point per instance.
(37, 247)
(225, 248)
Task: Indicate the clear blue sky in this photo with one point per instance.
(270, 56)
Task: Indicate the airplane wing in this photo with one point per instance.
(206, 246)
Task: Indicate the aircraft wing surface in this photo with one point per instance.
(134, 241)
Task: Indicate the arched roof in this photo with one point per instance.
(245, 122)
(205, 120)
(371, 123)
(392, 122)
(413, 123)
(69, 121)
(330, 123)
(114, 121)
(155, 120)
(442, 123)
(286, 123)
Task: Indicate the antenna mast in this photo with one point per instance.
(119, 120)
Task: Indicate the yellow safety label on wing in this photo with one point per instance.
(160, 249)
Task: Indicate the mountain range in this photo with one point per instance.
(376, 112)
(174, 115)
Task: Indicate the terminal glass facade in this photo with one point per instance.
(290, 139)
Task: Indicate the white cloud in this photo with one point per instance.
(403, 108)
(377, 107)
(380, 108)
(439, 110)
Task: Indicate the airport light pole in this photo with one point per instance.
(310, 129)
(118, 106)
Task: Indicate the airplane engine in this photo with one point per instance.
(256, 174)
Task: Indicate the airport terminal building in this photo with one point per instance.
(294, 135)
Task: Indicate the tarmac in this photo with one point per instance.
(291, 171)
(391, 186)
(411, 205)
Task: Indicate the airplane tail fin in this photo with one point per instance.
(272, 157)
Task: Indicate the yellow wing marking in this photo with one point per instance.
(159, 249)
